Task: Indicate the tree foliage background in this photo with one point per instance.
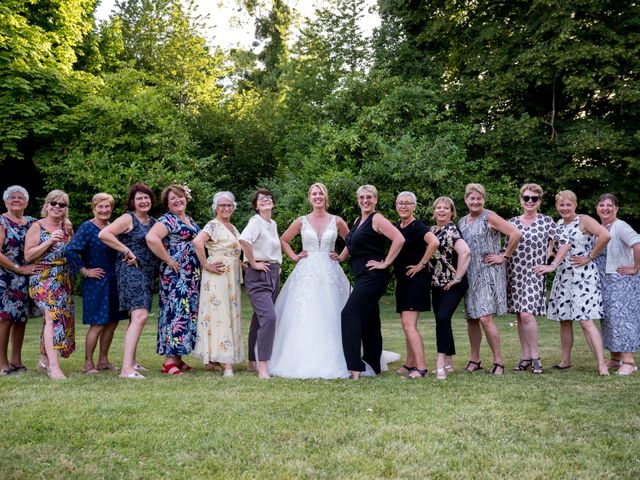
(444, 93)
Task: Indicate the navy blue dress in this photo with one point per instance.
(135, 283)
(99, 295)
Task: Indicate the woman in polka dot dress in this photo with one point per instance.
(526, 288)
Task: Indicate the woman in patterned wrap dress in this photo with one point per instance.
(487, 293)
(51, 288)
(526, 286)
(576, 293)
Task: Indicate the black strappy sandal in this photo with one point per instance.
(523, 365)
(477, 364)
(536, 366)
(423, 373)
(496, 366)
(407, 368)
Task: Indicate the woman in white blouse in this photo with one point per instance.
(261, 246)
(619, 265)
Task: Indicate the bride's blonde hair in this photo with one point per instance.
(325, 192)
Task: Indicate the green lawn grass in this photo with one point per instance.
(562, 424)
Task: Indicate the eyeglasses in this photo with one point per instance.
(531, 198)
(58, 204)
(264, 198)
(225, 206)
(404, 204)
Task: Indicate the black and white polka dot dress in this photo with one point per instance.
(576, 294)
(526, 290)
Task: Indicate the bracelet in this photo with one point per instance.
(85, 273)
(127, 252)
(590, 257)
(458, 280)
(16, 268)
(506, 256)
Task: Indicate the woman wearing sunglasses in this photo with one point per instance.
(52, 288)
(526, 288)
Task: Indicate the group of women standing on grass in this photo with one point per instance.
(317, 327)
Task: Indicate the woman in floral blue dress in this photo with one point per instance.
(52, 288)
(171, 240)
(14, 287)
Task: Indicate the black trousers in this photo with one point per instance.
(361, 320)
(444, 304)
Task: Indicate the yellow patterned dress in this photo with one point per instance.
(52, 290)
(219, 337)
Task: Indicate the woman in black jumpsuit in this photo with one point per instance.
(365, 245)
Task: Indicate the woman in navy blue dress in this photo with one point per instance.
(366, 245)
(135, 269)
(97, 264)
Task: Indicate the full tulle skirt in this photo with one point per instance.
(308, 339)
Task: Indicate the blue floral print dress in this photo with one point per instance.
(14, 288)
(179, 291)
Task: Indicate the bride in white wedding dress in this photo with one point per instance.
(308, 339)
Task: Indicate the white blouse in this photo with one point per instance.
(263, 237)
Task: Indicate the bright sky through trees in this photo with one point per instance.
(231, 26)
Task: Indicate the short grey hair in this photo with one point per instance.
(411, 195)
(367, 188)
(220, 195)
(13, 189)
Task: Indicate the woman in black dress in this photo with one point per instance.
(360, 317)
(413, 281)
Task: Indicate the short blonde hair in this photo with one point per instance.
(534, 187)
(567, 195)
(449, 202)
(367, 188)
(101, 197)
(475, 187)
(325, 192)
(55, 196)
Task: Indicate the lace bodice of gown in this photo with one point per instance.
(312, 242)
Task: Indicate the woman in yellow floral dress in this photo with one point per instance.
(51, 288)
(219, 336)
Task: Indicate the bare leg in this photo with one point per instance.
(91, 341)
(5, 330)
(105, 344)
(594, 339)
(475, 338)
(415, 344)
(138, 320)
(55, 373)
(263, 369)
(17, 339)
(566, 342)
(528, 333)
(493, 338)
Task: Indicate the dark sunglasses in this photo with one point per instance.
(532, 198)
(58, 204)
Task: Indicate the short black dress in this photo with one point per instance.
(412, 293)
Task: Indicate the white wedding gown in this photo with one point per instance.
(308, 339)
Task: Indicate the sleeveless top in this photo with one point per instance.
(365, 244)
